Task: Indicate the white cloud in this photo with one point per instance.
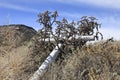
(73, 15)
(100, 3)
(17, 7)
(70, 15)
(110, 27)
(110, 21)
(110, 32)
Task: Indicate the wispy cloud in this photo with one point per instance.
(100, 3)
(18, 7)
(110, 27)
(74, 15)
(110, 21)
(70, 15)
(110, 32)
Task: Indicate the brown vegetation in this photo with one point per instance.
(97, 61)
(22, 52)
(15, 34)
(14, 41)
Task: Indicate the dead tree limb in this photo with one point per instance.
(42, 69)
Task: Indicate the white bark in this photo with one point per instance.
(46, 63)
(53, 56)
(85, 38)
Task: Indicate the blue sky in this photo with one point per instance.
(25, 12)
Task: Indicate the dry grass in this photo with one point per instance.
(13, 63)
(96, 61)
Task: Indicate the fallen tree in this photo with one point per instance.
(66, 33)
(53, 55)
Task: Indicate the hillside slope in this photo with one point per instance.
(21, 56)
(14, 41)
(97, 61)
(15, 34)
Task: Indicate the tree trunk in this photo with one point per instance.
(84, 38)
(42, 69)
